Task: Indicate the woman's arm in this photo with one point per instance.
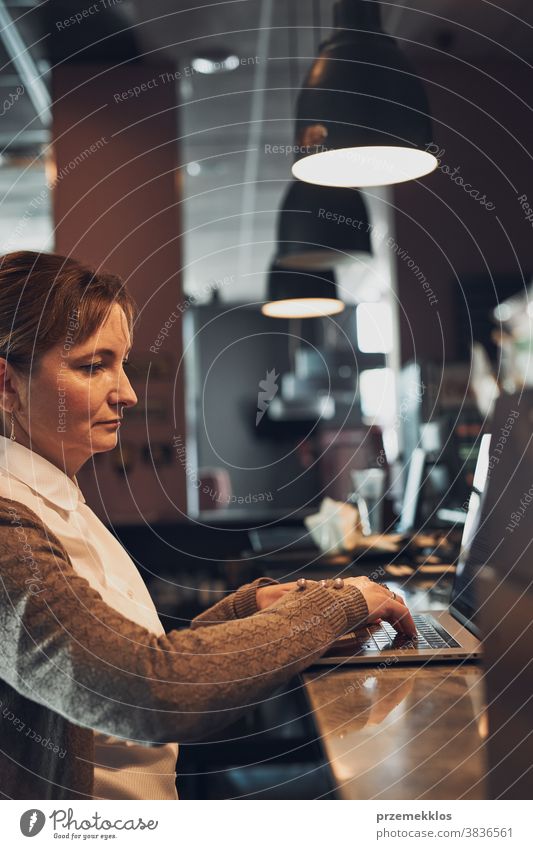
(238, 605)
(65, 648)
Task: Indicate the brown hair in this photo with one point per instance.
(45, 298)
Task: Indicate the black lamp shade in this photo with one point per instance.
(361, 92)
(303, 294)
(321, 227)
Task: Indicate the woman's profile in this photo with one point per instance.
(95, 697)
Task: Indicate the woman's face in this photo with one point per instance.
(65, 410)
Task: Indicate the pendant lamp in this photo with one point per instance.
(321, 227)
(301, 294)
(362, 115)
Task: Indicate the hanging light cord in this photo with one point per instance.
(292, 44)
(295, 332)
(317, 24)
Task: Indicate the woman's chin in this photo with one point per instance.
(104, 442)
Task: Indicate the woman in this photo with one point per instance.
(94, 695)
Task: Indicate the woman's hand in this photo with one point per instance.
(265, 596)
(382, 604)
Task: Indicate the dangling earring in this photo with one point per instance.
(12, 435)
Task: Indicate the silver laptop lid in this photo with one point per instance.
(463, 604)
(508, 504)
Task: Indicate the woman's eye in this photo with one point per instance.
(92, 367)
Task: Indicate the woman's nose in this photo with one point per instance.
(125, 392)
(128, 396)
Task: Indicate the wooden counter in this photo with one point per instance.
(402, 732)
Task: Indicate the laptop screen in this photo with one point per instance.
(508, 502)
(472, 555)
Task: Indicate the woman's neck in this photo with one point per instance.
(61, 463)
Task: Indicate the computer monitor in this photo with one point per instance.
(412, 492)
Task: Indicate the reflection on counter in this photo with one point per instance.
(402, 733)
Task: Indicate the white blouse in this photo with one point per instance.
(123, 769)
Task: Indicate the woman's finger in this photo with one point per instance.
(399, 617)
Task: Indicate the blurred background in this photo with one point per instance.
(156, 140)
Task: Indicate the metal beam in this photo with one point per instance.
(25, 137)
(25, 66)
(251, 163)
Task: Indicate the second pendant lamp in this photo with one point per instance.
(301, 294)
(362, 116)
(321, 228)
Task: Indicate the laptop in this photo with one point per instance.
(282, 539)
(451, 634)
(505, 589)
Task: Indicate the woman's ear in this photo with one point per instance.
(9, 396)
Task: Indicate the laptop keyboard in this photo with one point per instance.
(427, 636)
(385, 637)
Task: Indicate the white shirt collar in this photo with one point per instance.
(39, 474)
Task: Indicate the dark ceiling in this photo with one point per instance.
(226, 122)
